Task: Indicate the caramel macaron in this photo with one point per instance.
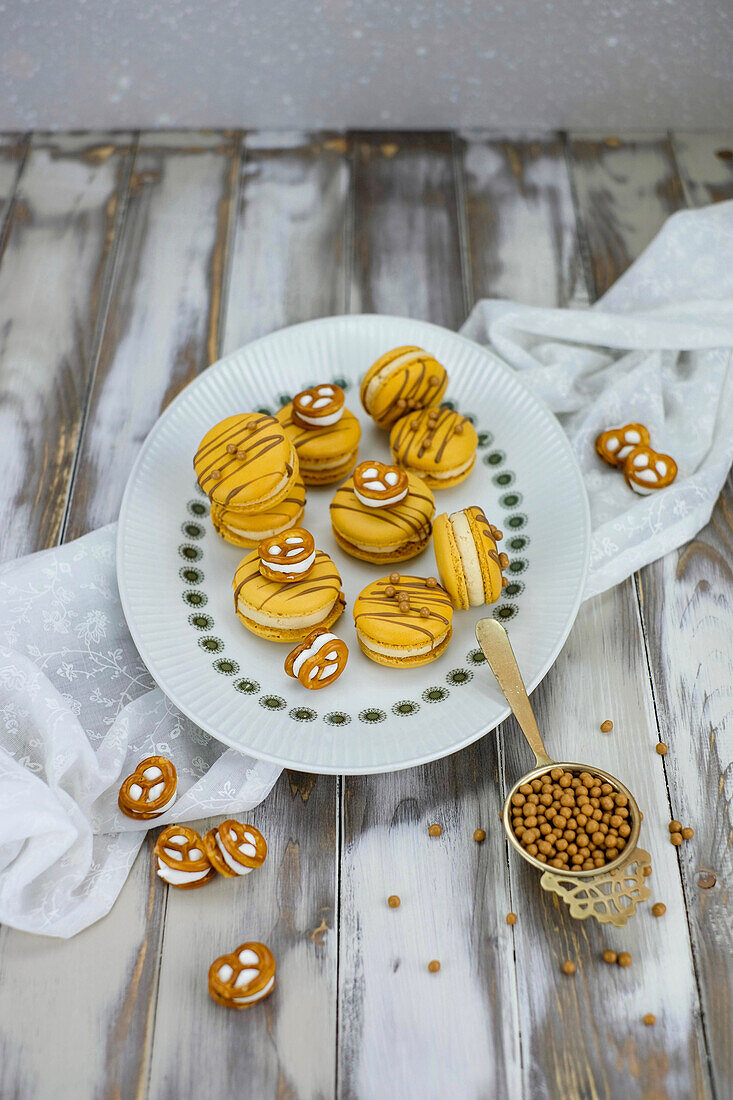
(401, 381)
(250, 528)
(324, 432)
(246, 463)
(287, 612)
(403, 621)
(438, 445)
(469, 562)
(386, 533)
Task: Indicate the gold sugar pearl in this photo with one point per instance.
(215, 475)
(252, 427)
(425, 612)
(687, 833)
(479, 835)
(610, 956)
(503, 560)
(395, 578)
(241, 454)
(433, 966)
(402, 404)
(458, 430)
(568, 967)
(511, 918)
(231, 448)
(435, 830)
(624, 959)
(606, 726)
(504, 582)
(661, 748)
(675, 826)
(393, 901)
(390, 590)
(649, 1019)
(433, 381)
(431, 582)
(498, 535)
(659, 909)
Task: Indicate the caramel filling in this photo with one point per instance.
(469, 557)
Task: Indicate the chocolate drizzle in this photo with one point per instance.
(252, 437)
(375, 606)
(425, 435)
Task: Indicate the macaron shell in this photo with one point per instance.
(288, 512)
(406, 662)
(319, 448)
(261, 478)
(379, 619)
(449, 562)
(487, 551)
(317, 595)
(383, 534)
(408, 380)
(432, 451)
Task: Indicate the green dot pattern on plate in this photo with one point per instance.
(516, 566)
(372, 715)
(505, 612)
(494, 458)
(195, 599)
(272, 702)
(211, 644)
(459, 676)
(197, 508)
(435, 694)
(447, 405)
(247, 687)
(201, 622)
(470, 418)
(302, 714)
(516, 522)
(476, 657)
(513, 589)
(193, 530)
(190, 553)
(405, 707)
(337, 718)
(191, 575)
(342, 382)
(485, 439)
(264, 411)
(510, 500)
(283, 399)
(503, 480)
(518, 542)
(226, 666)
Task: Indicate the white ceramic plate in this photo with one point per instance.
(175, 573)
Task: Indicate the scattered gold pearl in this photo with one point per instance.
(435, 830)
(393, 901)
(433, 966)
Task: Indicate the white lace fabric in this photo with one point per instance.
(78, 709)
(656, 350)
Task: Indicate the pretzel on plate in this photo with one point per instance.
(318, 660)
(287, 557)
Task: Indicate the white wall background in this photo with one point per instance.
(609, 64)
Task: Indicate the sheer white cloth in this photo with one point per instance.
(656, 349)
(78, 710)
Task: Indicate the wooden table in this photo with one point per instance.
(131, 261)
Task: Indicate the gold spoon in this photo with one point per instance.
(610, 893)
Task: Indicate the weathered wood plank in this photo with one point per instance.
(13, 150)
(402, 1030)
(161, 316)
(519, 207)
(585, 1036)
(59, 238)
(286, 266)
(687, 612)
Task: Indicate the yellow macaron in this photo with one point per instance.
(403, 621)
(326, 453)
(249, 528)
(383, 534)
(246, 462)
(402, 380)
(469, 563)
(439, 445)
(287, 612)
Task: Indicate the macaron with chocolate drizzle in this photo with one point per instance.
(246, 463)
(287, 611)
(438, 445)
(250, 528)
(327, 440)
(403, 621)
(469, 562)
(383, 533)
(403, 380)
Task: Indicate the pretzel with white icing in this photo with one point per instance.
(235, 849)
(181, 861)
(150, 790)
(318, 660)
(614, 445)
(319, 407)
(289, 556)
(243, 977)
(645, 470)
(378, 485)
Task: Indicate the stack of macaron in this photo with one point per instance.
(323, 431)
